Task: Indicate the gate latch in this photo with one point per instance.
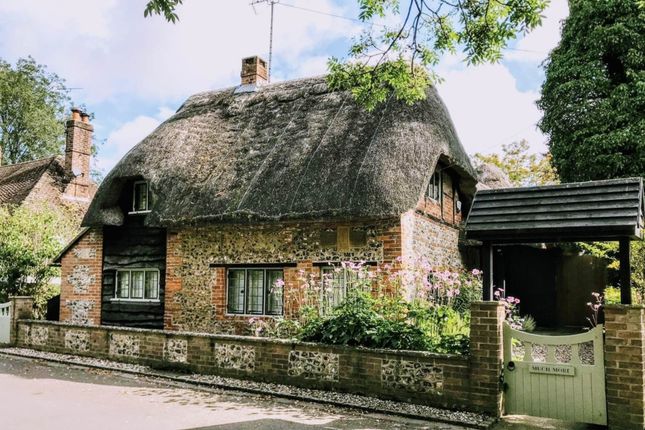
(510, 366)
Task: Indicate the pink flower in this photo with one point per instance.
(476, 272)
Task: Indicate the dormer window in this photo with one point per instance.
(140, 197)
(435, 186)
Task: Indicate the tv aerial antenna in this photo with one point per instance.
(271, 3)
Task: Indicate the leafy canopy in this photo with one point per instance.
(30, 237)
(522, 167)
(398, 60)
(32, 108)
(593, 97)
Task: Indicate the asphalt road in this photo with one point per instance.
(40, 395)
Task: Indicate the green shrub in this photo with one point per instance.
(392, 323)
(451, 344)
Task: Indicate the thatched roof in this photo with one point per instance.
(17, 180)
(491, 177)
(292, 150)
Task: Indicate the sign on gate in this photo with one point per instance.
(560, 377)
(5, 322)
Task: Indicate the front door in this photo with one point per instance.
(560, 377)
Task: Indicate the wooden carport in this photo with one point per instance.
(610, 210)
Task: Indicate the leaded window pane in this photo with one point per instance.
(275, 292)
(140, 196)
(152, 285)
(335, 287)
(255, 291)
(123, 285)
(236, 291)
(136, 284)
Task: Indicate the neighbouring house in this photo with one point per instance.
(250, 184)
(57, 181)
(62, 184)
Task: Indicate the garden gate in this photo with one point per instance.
(560, 377)
(5, 322)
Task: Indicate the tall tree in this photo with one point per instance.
(522, 167)
(398, 59)
(593, 97)
(32, 108)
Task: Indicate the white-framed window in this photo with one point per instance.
(255, 291)
(137, 284)
(140, 197)
(436, 185)
(336, 280)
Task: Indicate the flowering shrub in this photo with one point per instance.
(412, 307)
(526, 323)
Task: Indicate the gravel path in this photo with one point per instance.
(364, 403)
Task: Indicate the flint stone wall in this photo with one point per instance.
(420, 377)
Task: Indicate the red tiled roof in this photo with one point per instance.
(17, 180)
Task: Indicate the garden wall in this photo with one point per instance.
(452, 381)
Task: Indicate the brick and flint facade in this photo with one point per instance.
(195, 262)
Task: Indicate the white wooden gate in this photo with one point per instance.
(5, 322)
(560, 377)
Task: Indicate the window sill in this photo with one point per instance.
(142, 301)
(253, 315)
(139, 212)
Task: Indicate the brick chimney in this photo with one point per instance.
(78, 151)
(254, 71)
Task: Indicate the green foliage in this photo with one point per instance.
(593, 97)
(163, 7)
(612, 295)
(609, 252)
(529, 324)
(451, 344)
(32, 107)
(29, 239)
(523, 168)
(398, 59)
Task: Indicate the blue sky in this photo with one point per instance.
(133, 72)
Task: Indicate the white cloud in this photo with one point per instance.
(536, 45)
(109, 49)
(122, 139)
(488, 110)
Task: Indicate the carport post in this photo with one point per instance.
(487, 269)
(625, 273)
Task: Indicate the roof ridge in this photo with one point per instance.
(38, 160)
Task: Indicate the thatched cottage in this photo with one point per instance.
(254, 183)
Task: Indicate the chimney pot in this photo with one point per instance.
(85, 118)
(76, 114)
(254, 71)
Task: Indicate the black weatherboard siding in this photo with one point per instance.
(597, 210)
(132, 246)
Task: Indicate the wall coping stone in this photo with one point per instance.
(618, 306)
(253, 339)
(488, 303)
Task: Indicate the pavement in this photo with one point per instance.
(44, 395)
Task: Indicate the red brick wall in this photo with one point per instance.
(173, 279)
(624, 361)
(81, 278)
(486, 352)
(78, 152)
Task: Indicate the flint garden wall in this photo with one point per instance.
(451, 381)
